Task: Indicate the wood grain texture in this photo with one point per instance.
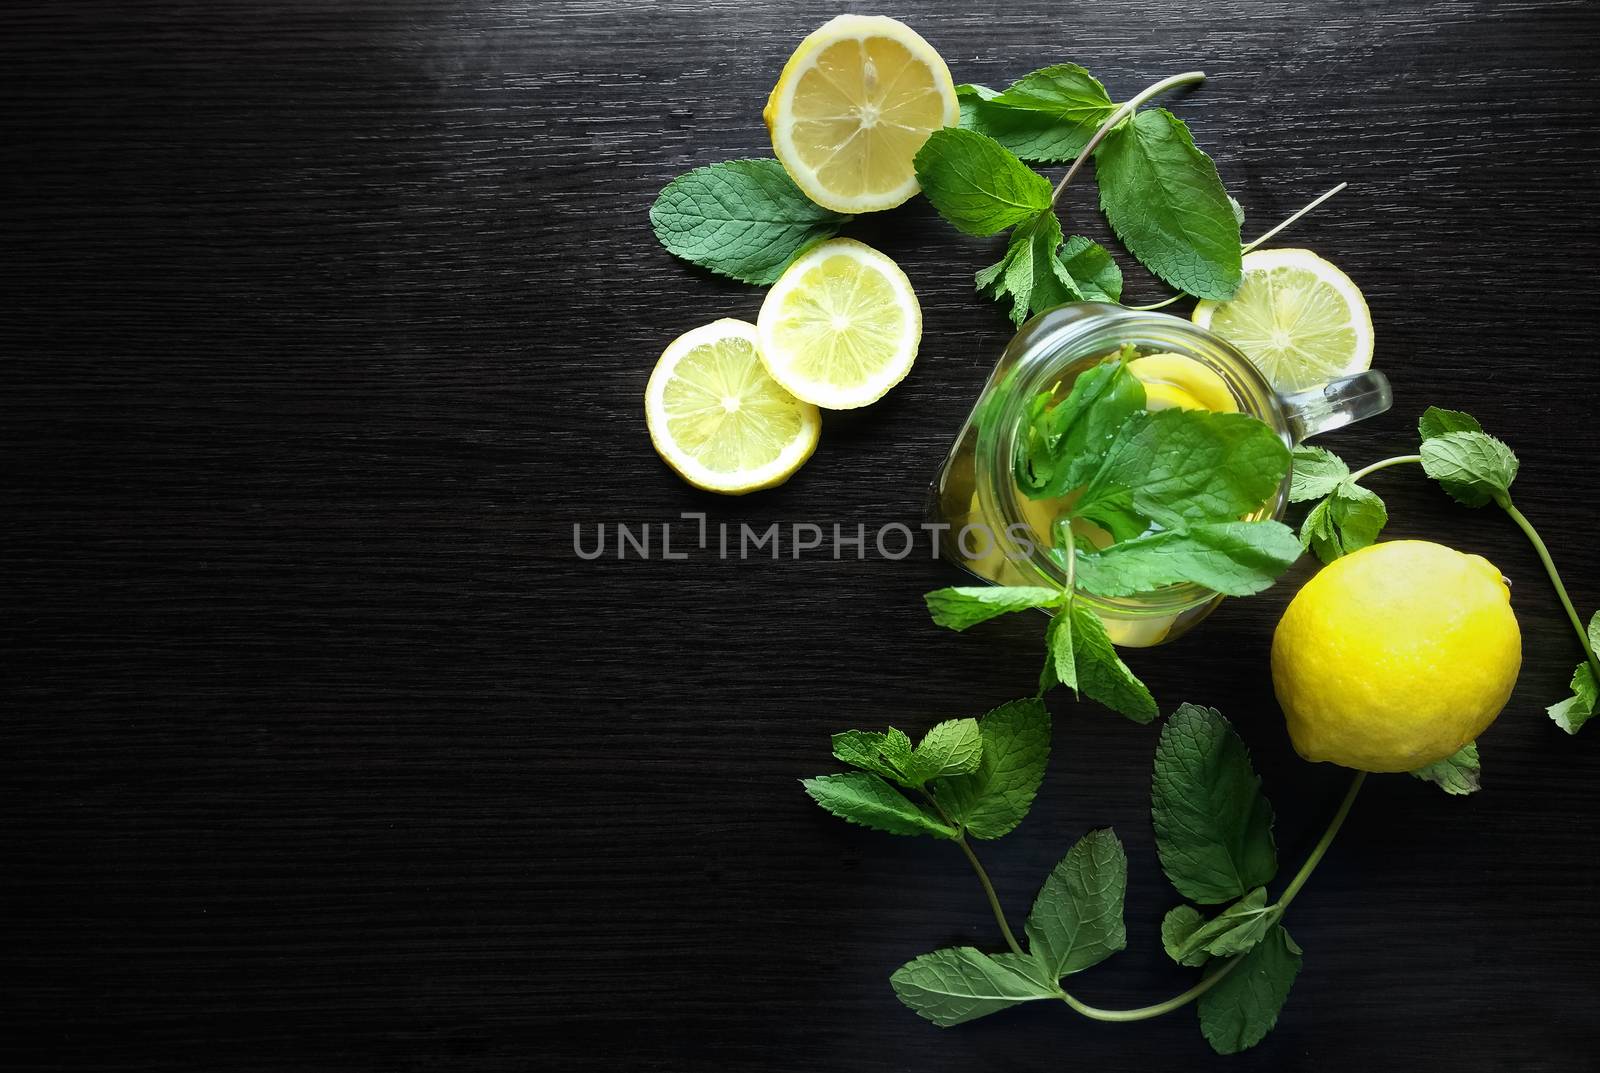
(326, 323)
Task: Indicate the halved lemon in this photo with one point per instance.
(717, 418)
(1298, 319)
(841, 326)
(852, 107)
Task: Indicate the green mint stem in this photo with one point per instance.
(1322, 845)
(1385, 464)
(1072, 565)
(994, 899)
(1118, 116)
(1144, 1013)
(983, 876)
(1250, 246)
(1555, 579)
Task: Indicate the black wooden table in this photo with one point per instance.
(325, 324)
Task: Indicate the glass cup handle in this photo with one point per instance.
(1335, 405)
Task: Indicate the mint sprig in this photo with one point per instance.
(1204, 782)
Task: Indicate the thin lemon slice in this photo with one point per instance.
(717, 418)
(1177, 381)
(852, 107)
(1299, 319)
(841, 326)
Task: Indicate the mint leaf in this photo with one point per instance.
(1180, 923)
(1064, 444)
(1102, 676)
(1076, 920)
(1314, 473)
(961, 984)
(953, 747)
(1092, 269)
(867, 750)
(1576, 710)
(1181, 467)
(977, 184)
(1046, 117)
(995, 797)
(1346, 521)
(1436, 422)
(1473, 467)
(896, 749)
(1455, 774)
(966, 606)
(1165, 201)
(1235, 558)
(863, 798)
(1060, 663)
(1029, 274)
(1235, 930)
(743, 218)
(1238, 1013)
(1213, 827)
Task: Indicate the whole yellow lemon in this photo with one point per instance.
(1396, 656)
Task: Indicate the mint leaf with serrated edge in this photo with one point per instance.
(1314, 472)
(743, 218)
(1097, 275)
(867, 750)
(1179, 467)
(1047, 116)
(1029, 274)
(1166, 203)
(1102, 676)
(977, 184)
(1475, 468)
(1348, 520)
(1060, 659)
(1458, 773)
(960, 984)
(994, 798)
(1190, 939)
(1238, 1012)
(863, 798)
(953, 747)
(1076, 919)
(1571, 714)
(1233, 558)
(1213, 826)
(1063, 444)
(961, 607)
(1437, 421)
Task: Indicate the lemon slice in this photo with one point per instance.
(1177, 381)
(841, 326)
(1299, 319)
(717, 418)
(852, 107)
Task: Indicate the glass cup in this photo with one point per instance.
(1000, 535)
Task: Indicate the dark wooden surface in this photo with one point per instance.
(326, 322)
